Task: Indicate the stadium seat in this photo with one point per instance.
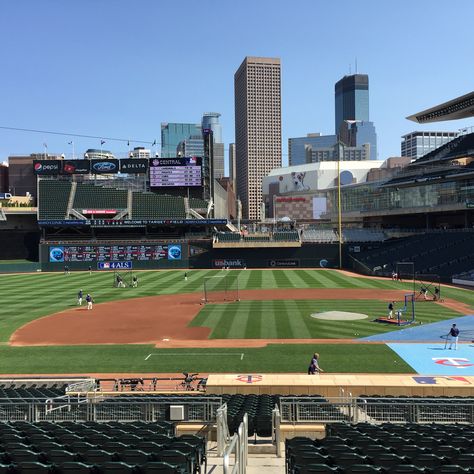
(160, 468)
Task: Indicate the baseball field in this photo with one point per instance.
(162, 326)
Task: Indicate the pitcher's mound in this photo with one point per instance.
(339, 316)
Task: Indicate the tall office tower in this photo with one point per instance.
(172, 134)
(192, 146)
(351, 99)
(232, 168)
(416, 144)
(257, 91)
(211, 120)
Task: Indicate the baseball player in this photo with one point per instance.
(89, 301)
(79, 298)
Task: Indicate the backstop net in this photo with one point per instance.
(222, 287)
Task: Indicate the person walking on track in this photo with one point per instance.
(453, 336)
(79, 298)
(89, 301)
(314, 365)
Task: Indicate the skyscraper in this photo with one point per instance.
(211, 120)
(417, 144)
(174, 133)
(351, 99)
(257, 90)
(232, 167)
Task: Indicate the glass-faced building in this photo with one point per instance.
(172, 134)
(351, 95)
(417, 144)
(297, 146)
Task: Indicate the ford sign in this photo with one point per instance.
(105, 167)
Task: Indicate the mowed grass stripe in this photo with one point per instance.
(282, 279)
(268, 323)
(325, 279)
(345, 280)
(238, 323)
(296, 280)
(296, 316)
(269, 279)
(253, 326)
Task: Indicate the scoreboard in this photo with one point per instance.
(114, 253)
(168, 172)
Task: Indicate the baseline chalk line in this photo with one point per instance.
(241, 355)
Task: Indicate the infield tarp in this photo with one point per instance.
(434, 359)
(426, 332)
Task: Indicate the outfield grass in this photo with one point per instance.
(28, 297)
(291, 319)
(131, 359)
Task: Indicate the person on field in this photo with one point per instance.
(185, 276)
(79, 298)
(453, 336)
(90, 270)
(134, 281)
(89, 301)
(314, 365)
(390, 309)
(436, 294)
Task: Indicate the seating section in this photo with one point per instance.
(53, 197)
(195, 203)
(228, 237)
(30, 393)
(154, 206)
(385, 448)
(89, 196)
(363, 235)
(442, 253)
(137, 447)
(319, 235)
(286, 236)
(259, 411)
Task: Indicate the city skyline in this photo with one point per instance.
(59, 85)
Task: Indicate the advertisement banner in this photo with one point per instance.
(284, 263)
(105, 166)
(114, 265)
(42, 167)
(229, 262)
(56, 254)
(174, 252)
(134, 165)
(76, 167)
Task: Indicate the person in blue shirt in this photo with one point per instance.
(453, 337)
(89, 301)
(314, 365)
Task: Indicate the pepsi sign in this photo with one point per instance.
(46, 167)
(104, 166)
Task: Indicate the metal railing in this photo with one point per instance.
(276, 435)
(223, 435)
(238, 446)
(97, 408)
(376, 410)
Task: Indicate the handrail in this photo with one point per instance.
(239, 447)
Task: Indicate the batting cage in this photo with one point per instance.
(123, 278)
(428, 287)
(221, 287)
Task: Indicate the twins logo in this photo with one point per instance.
(458, 362)
(434, 380)
(250, 378)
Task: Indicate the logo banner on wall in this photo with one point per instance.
(41, 167)
(174, 252)
(56, 254)
(286, 263)
(114, 265)
(76, 167)
(105, 166)
(134, 165)
(228, 262)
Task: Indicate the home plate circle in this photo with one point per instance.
(339, 316)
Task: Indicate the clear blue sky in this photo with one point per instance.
(120, 67)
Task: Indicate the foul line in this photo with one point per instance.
(197, 354)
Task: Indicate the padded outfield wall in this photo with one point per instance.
(143, 255)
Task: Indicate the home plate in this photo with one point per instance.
(339, 316)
